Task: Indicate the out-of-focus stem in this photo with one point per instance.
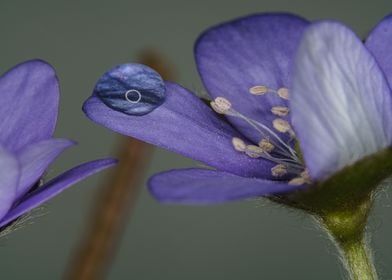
(116, 200)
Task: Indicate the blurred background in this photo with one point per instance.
(242, 240)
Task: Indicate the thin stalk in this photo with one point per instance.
(96, 250)
(347, 228)
(358, 260)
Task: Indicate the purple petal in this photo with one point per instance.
(379, 43)
(9, 176)
(35, 158)
(29, 95)
(251, 51)
(56, 186)
(184, 124)
(203, 186)
(341, 104)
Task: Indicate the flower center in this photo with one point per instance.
(271, 145)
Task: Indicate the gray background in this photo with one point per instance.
(246, 240)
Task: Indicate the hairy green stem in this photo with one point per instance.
(358, 260)
(342, 203)
(347, 229)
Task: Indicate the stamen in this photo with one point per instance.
(221, 105)
(298, 181)
(259, 90)
(283, 93)
(304, 178)
(305, 174)
(254, 151)
(283, 148)
(238, 144)
(266, 145)
(283, 155)
(281, 125)
(260, 127)
(292, 134)
(279, 170)
(280, 111)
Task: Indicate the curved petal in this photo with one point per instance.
(29, 94)
(203, 186)
(247, 52)
(341, 103)
(184, 124)
(35, 158)
(379, 43)
(9, 177)
(56, 186)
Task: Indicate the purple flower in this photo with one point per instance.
(30, 96)
(301, 101)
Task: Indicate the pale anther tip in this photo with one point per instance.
(266, 145)
(281, 125)
(238, 144)
(283, 93)
(279, 170)
(298, 181)
(220, 105)
(280, 111)
(259, 90)
(254, 151)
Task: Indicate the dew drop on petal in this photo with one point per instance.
(133, 89)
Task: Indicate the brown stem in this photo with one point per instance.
(97, 249)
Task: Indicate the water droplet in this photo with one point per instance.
(133, 89)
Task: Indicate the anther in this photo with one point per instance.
(221, 105)
(238, 144)
(284, 156)
(304, 178)
(266, 145)
(305, 174)
(280, 111)
(283, 93)
(281, 125)
(298, 181)
(259, 90)
(279, 170)
(254, 151)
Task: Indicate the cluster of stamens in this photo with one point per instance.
(271, 146)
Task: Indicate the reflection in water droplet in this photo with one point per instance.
(133, 89)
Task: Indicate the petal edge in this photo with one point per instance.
(204, 186)
(55, 186)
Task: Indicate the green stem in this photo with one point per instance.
(358, 260)
(342, 204)
(347, 228)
